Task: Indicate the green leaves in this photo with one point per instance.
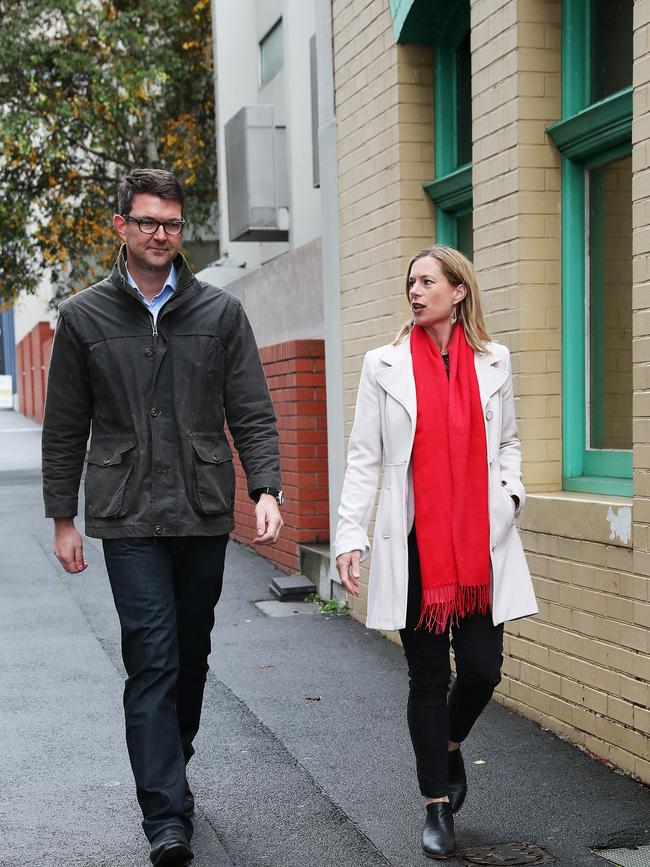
(88, 90)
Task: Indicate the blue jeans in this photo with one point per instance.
(165, 592)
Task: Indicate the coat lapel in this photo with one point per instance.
(396, 378)
(490, 378)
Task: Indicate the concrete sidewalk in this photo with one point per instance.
(303, 759)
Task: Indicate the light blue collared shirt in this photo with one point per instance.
(161, 298)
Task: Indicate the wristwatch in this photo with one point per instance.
(279, 495)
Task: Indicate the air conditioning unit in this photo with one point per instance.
(256, 169)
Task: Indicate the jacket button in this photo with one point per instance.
(148, 352)
(488, 415)
(155, 411)
(157, 529)
(107, 460)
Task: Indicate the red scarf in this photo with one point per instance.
(450, 481)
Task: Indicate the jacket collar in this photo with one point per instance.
(396, 377)
(184, 278)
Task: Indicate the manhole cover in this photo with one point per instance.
(505, 853)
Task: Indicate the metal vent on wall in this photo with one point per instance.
(256, 168)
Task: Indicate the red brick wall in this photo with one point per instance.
(41, 334)
(28, 378)
(20, 375)
(295, 372)
(33, 360)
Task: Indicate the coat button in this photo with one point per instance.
(157, 529)
(155, 411)
(148, 352)
(107, 460)
(488, 415)
(215, 456)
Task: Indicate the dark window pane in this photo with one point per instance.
(465, 235)
(463, 103)
(611, 47)
(271, 53)
(610, 305)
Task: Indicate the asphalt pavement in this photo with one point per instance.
(303, 758)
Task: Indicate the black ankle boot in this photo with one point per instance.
(438, 839)
(457, 779)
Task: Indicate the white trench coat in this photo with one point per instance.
(383, 432)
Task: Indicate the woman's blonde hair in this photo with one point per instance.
(457, 269)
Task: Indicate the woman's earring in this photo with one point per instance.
(453, 319)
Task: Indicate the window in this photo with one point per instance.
(609, 395)
(610, 47)
(452, 189)
(313, 69)
(595, 140)
(271, 53)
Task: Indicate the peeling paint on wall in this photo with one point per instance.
(620, 524)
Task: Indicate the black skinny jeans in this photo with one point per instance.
(437, 714)
(165, 592)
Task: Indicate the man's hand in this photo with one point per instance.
(68, 546)
(269, 520)
(347, 566)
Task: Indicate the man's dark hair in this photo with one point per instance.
(156, 182)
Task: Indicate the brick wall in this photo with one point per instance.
(295, 373)
(640, 613)
(516, 176)
(582, 667)
(32, 364)
(384, 114)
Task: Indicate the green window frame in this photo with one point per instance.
(451, 191)
(588, 136)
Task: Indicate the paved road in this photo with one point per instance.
(281, 779)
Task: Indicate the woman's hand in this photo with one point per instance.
(347, 566)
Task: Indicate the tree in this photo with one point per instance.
(88, 90)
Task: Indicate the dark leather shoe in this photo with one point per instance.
(457, 780)
(438, 840)
(171, 848)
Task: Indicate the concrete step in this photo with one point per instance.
(292, 588)
(315, 564)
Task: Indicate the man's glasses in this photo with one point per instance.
(150, 227)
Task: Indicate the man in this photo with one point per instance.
(154, 362)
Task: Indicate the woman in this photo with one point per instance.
(436, 408)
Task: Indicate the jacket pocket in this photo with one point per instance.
(110, 464)
(214, 476)
(502, 515)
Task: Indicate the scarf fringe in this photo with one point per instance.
(444, 606)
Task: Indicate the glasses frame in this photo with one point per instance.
(139, 220)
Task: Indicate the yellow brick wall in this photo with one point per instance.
(581, 668)
(384, 114)
(516, 180)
